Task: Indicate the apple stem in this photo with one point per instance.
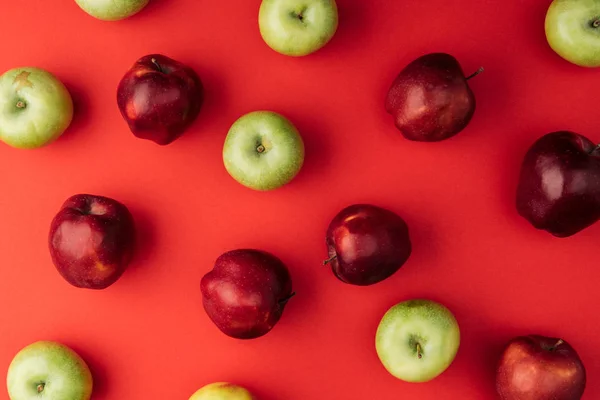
(419, 351)
(286, 299)
(20, 104)
(596, 23)
(40, 387)
(157, 64)
(330, 259)
(260, 148)
(560, 341)
(474, 74)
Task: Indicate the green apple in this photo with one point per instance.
(417, 340)
(263, 150)
(112, 10)
(48, 370)
(35, 108)
(573, 31)
(297, 27)
(222, 391)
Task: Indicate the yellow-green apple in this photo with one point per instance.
(112, 10)
(222, 391)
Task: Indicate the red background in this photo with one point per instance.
(147, 336)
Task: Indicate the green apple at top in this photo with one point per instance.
(417, 340)
(222, 391)
(573, 31)
(297, 27)
(35, 108)
(263, 150)
(112, 10)
(50, 371)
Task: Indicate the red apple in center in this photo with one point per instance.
(92, 240)
(160, 98)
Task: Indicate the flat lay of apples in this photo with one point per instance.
(247, 290)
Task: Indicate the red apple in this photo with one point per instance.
(367, 244)
(537, 367)
(160, 98)
(92, 240)
(246, 292)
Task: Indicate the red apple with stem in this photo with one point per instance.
(160, 98)
(92, 240)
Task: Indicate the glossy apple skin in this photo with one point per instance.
(367, 244)
(536, 367)
(246, 292)
(92, 240)
(559, 184)
(430, 99)
(160, 98)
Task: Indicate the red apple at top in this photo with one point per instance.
(367, 244)
(246, 292)
(160, 98)
(92, 240)
(536, 367)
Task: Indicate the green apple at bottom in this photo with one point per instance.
(35, 108)
(573, 31)
(222, 391)
(50, 371)
(112, 10)
(417, 340)
(263, 150)
(297, 27)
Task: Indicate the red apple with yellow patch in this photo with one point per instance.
(92, 240)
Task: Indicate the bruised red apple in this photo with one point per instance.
(367, 244)
(536, 367)
(92, 240)
(160, 98)
(246, 292)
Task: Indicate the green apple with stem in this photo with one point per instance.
(573, 31)
(48, 370)
(112, 10)
(297, 27)
(35, 108)
(417, 340)
(222, 391)
(263, 150)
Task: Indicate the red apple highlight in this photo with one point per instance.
(92, 240)
(160, 98)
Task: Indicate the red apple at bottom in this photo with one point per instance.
(536, 367)
(92, 240)
(246, 292)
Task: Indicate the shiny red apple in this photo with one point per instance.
(246, 292)
(536, 367)
(367, 244)
(430, 98)
(559, 184)
(92, 240)
(160, 98)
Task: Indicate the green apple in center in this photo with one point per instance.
(417, 340)
(263, 150)
(297, 27)
(112, 10)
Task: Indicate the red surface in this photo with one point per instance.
(147, 336)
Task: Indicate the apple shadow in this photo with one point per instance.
(81, 115)
(153, 8)
(145, 236)
(352, 26)
(100, 375)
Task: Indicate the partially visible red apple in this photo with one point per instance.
(246, 292)
(160, 98)
(92, 240)
(537, 367)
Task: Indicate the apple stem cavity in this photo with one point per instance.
(157, 65)
(596, 22)
(40, 387)
(419, 354)
(474, 74)
(330, 259)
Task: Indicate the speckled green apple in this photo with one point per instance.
(417, 340)
(263, 150)
(112, 10)
(222, 391)
(573, 31)
(48, 370)
(35, 108)
(297, 27)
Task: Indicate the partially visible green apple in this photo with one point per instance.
(48, 370)
(112, 10)
(35, 108)
(573, 31)
(297, 27)
(417, 340)
(222, 391)
(263, 150)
